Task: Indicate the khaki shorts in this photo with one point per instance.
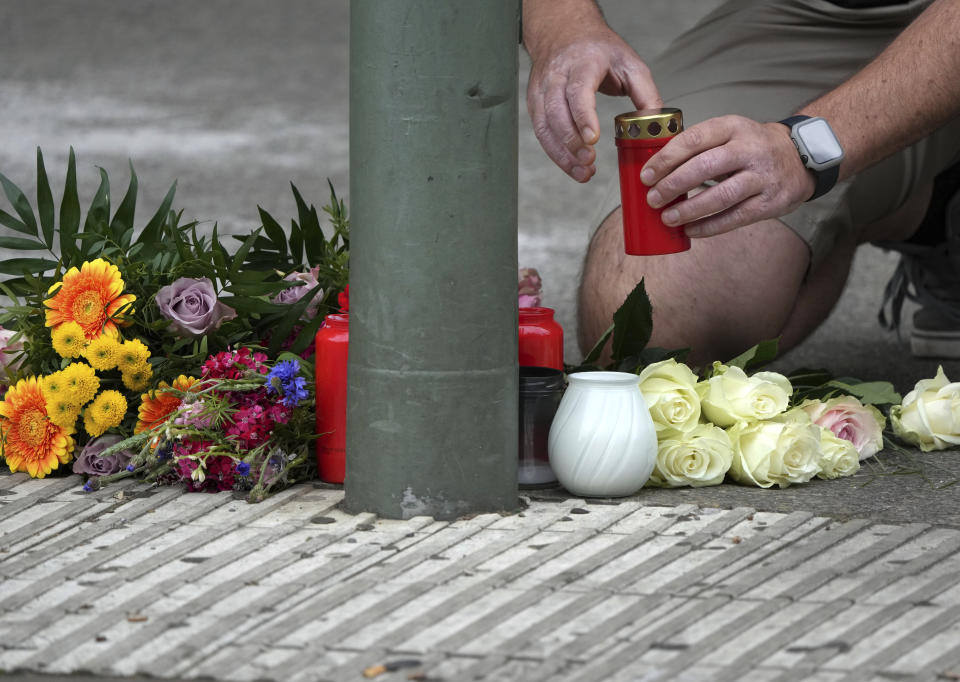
(765, 59)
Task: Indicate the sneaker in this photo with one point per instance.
(929, 274)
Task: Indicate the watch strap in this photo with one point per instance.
(825, 179)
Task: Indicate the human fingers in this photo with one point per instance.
(695, 140)
(581, 96)
(639, 86)
(752, 210)
(553, 144)
(559, 116)
(721, 197)
(713, 164)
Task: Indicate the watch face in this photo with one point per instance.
(819, 140)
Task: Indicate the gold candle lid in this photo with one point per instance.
(648, 124)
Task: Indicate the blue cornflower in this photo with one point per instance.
(295, 391)
(283, 379)
(243, 468)
(88, 486)
(130, 467)
(283, 372)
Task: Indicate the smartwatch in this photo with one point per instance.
(820, 151)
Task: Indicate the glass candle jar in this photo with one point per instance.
(541, 389)
(541, 339)
(331, 384)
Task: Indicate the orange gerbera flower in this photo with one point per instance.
(160, 403)
(31, 442)
(92, 297)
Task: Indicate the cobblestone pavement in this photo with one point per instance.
(132, 580)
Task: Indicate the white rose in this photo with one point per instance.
(731, 396)
(929, 416)
(697, 458)
(774, 452)
(847, 418)
(670, 390)
(838, 456)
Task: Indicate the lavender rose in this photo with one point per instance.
(192, 305)
(294, 294)
(91, 462)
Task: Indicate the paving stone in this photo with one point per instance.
(921, 554)
(915, 660)
(724, 647)
(885, 644)
(620, 592)
(939, 574)
(645, 515)
(595, 516)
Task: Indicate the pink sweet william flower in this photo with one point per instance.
(847, 418)
(529, 288)
(230, 364)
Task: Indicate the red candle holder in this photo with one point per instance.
(331, 396)
(541, 339)
(640, 135)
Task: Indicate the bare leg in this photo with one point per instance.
(728, 292)
(718, 298)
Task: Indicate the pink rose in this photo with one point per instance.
(192, 306)
(529, 287)
(847, 418)
(294, 294)
(8, 351)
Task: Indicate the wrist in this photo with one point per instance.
(801, 177)
(818, 149)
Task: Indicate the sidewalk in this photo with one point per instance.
(151, 581)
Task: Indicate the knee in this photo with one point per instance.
(723, 295)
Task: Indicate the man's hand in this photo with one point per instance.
(756, 167)
(576, 55)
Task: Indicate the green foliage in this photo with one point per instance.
(759, 355)
(163, 250)
(819, 384)
(631, 330)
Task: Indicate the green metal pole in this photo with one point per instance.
(432, 373)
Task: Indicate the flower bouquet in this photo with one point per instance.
(762, 428)
(156, 350)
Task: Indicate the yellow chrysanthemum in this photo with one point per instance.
(54, 386)
(102, 352)
(31, 442)
(90, 424)
(109, 408)
(63, 411)
(68, 339)
(92, 297)
(131, 355)
(81, 381)
(138, 378)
